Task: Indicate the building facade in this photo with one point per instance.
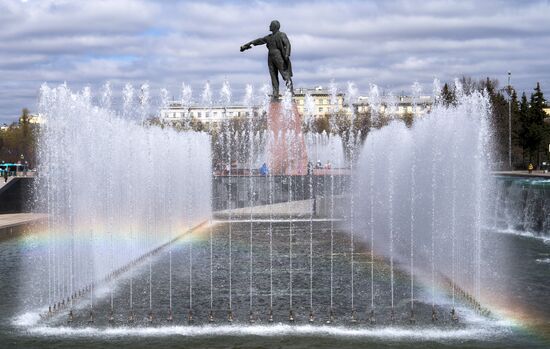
(209, 116)
(316, 102)
(400, 106)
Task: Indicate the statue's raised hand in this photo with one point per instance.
(245, 47)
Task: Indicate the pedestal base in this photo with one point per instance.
(286, 148)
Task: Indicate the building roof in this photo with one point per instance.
(317, 91)
(397, 99)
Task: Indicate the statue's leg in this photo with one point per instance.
(274, 76)
(285, 73)
(288, 81)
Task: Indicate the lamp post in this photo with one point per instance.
(509, 122)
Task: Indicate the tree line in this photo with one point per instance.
(530, 125)
(18, 141)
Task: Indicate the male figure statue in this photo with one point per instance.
(278, 58)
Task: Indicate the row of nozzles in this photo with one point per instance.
(75, 296)
(252, 318)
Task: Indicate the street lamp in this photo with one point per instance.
(509, 122)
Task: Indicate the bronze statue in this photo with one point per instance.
(278, 58)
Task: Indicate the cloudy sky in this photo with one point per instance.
(165, 43)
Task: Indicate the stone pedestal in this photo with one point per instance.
(286, 147)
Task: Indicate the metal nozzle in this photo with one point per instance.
(353, 316)
(330, 316)
(251, 317)
(434, 315)
(211, 316)
(132, 317)
(412, 319)
(372, 319)
(230, 316)
(454, 315)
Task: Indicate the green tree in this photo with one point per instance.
(19, 139)
(530, 135)
(539, 129)
(448, 96)
(498, 118)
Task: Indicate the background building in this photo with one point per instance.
(396, 105)
(209, 116)
(317, 102)
(320, 99)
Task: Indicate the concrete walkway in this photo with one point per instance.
(3, 183)
(295, 208)
(534, 174)
(10, 220)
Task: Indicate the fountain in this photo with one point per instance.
(372, 237)
(105, 181)
(414, 201)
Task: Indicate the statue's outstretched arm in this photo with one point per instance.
(259, 41)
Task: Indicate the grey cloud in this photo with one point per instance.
(391, 43)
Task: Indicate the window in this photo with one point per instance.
(320, 109)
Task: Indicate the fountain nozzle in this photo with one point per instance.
(150, 317)
(111, 317)
(353, 316)
(230, 316)
(132, 317)
(211, 316)
(251, 317)
(392, 316)
(270, 316)
(454, 315)
(91, 318)
(71, 317)
(434, 315)
(330, 316)
(291, 316)
(372, 319)
(412, 319)
(190, 318)
(170, 316)
(311, 318)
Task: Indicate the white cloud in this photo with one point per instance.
(391, 43)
